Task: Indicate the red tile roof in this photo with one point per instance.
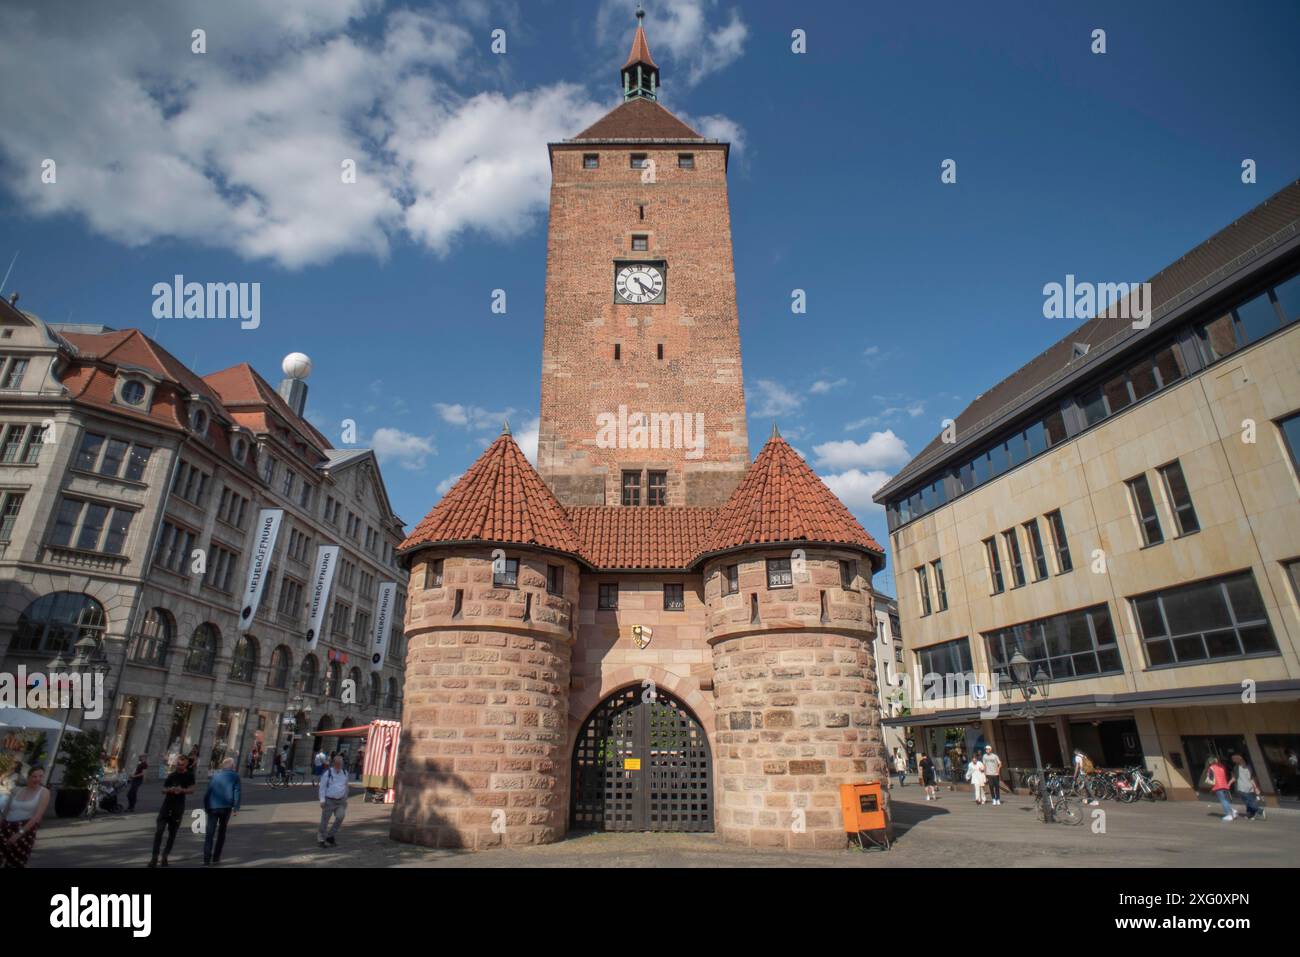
(241, 387)
(638, 119)
(640, 50)
(611, 536)
(781, 499)
(501, 498)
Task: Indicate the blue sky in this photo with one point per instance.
(224, 167)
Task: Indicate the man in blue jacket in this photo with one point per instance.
(220, 801)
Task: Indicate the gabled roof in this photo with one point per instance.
(133, 348)
(245, 393)
(782, 500)
(1230, 249)
(501, 498)
(611, 536)
(638, 119)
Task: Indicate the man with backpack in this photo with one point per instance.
(333, 801)
(1083, 768)
(993, 770)
(1243, 779)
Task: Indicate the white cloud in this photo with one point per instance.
(881, 450)
(472, 416)
(854, 487)
(443, 487)
(242, 147)
(772, 398)
(407, 450)
(822, 386)
(683, 34)
(716, 127)
(526, 439)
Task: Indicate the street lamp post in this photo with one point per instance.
(89, 662)
(1029, 689)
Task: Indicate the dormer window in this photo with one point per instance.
(133, 392)
(239, 448)
(198, 420)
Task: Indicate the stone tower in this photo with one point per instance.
(640, 288)
(641, 633)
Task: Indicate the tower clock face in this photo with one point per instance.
(639, 283)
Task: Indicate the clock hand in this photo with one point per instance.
(644, 287)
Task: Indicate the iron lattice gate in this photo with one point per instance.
(642, 765)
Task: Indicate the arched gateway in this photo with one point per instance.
(641, 762)
(650, 545)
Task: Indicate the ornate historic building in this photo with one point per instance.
(130, 489)
(648, 632)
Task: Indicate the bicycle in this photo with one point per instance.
(285, 779)
(1064, 809)
(1139, 783)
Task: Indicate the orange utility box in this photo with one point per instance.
(863, 807)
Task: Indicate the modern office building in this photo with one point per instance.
(130, 495)
(1124, 511)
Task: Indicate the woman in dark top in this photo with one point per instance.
(137, 779)
(928, 777)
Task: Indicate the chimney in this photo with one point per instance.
(293, 388)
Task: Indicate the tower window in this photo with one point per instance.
(631, 488)
(658, 488)
(591, 161)
(778, 573)
(608, 597)
(640, 244)
(618, 352)
(674, 598)
(686, 161)
(640, 209)
(731, 580)
(640, 160)
(555, 579)
(661, 352)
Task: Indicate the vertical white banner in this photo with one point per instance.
(327, 559)
(383, 624)
(268, 528)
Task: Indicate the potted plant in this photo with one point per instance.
(79, 758)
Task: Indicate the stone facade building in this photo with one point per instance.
(646, 632)
(130, 490)
(1124, 511)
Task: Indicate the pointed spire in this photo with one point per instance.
(640, 75)
(505, 428)
(775, 433)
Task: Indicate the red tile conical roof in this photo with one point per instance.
(500, 499)
(640, 50)
(781, 499)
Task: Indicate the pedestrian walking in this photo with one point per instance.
(1216, 776)
(1083, 767)
(333, 801)
(219, 802)
(900, 767)
(137, 779)
(177, 784)
(251, 763)
(319, 763)
(20, 817)
(360, 763)
(927, 777)
(993, 770)
(978, 778)
(1246, 784)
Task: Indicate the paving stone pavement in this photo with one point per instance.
(277, 828)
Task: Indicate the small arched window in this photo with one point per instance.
(243, 664)
(390, 699)
(204, 646)
(281, 662)
(376, 690)
(307, 675)
(154, 639)
(57, 621)
(333, 680)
